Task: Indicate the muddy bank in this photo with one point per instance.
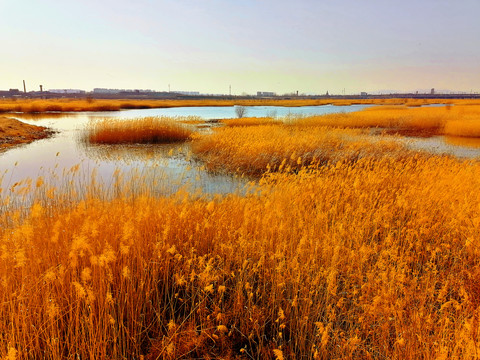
(14, 132)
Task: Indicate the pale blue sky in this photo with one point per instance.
(281, 46)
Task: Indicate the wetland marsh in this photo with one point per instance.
(302, 236)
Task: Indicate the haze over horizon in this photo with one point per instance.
(206, 46)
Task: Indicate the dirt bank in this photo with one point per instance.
(14, 132)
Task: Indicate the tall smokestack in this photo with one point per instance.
(41, 88)
(24, 87)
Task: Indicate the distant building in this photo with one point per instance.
(432, 92)
(106, 91)
(10, 93)
(191, 93)
(118, 91)
(363, 93)
(67, 91)
(265, 93)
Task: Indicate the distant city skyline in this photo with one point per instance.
(274, 46)
(100, 91)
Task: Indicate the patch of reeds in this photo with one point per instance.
(148, 130)
(254, 150)
(458, 120)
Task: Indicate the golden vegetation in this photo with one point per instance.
(87, 104)
(349, 246)
(150, 130)
(372, 259)
(458, 120)
(254, 150)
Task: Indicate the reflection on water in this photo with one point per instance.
(171, 165)
(161, 170)
(463, 141)
(458, 147)
(133, 152)
(39, 116)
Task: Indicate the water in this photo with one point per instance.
(228, 112)
(460, 147)
(65, 161)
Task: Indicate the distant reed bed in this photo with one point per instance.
(89, 104)
(147, 130)
(367, 260)
(458, 120)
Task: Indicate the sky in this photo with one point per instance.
(209, 45)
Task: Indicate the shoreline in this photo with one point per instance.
(14, 132)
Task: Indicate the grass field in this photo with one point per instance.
(347, 246)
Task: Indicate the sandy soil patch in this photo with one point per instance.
(14, 132)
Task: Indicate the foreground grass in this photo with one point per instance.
(151, 130)
(376, 259)
(75, 105)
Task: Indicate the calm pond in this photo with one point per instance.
(63, 158)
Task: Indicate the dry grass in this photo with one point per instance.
(74, 105)
(458, 120)
(148, 130)
(257, 149)
(395, 118)
(376, 259)
(302, 141)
